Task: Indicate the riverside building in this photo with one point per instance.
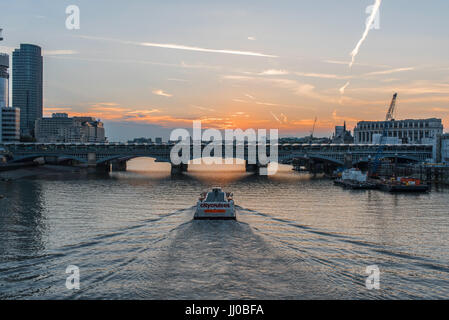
(61, 128)
(409, 131)
(10, 124)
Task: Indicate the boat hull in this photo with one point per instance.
(402, 188)
(356, 185)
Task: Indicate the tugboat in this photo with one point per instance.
(215, 205)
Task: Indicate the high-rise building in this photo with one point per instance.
(27, 73)
(4, 80)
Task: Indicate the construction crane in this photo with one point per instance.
(380, 150)
(313, 129)
(390, 112)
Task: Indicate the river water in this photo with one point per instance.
(297, 237)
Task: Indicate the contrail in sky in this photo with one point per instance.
(342, 89)
(367, 29)
(182, 47)
(276, 118)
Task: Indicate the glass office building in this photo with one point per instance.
(27, 95)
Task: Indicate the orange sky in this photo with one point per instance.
(237, 64)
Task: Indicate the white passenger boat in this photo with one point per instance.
(215, 204)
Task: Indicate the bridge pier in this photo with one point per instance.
(92, 164)
(91, 160)
(310, 166)
(117, 165)
(102, 167)
(178, 169)
(348, 161)
(314, 167)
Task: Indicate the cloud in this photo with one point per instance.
(160, 92)
(59, 52)
(278, 72)
(384, 72)
(273, 72)
(57, 108)
(183, 47)
(298, 88)
(257, 102)
(111, 109)
(268, 104)
(49, 110)
(182, 64)
(337, 118)
(414, 88)
(240, 115)
(203, 108)
(107, 106)
(177, 80)
(390, 80)
(110, 104)
(240, 100)
(144, 111)
(139, 115)
(236, 77)
(368, 26)
(309, 122)
(440, 109)
(322, 75)
(355, 63)
(336, 62)
(199, 66)
(252, 38)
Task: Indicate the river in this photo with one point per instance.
(132, 236)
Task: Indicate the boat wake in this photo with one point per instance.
(342, 259)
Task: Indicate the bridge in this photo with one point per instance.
(115, 155)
